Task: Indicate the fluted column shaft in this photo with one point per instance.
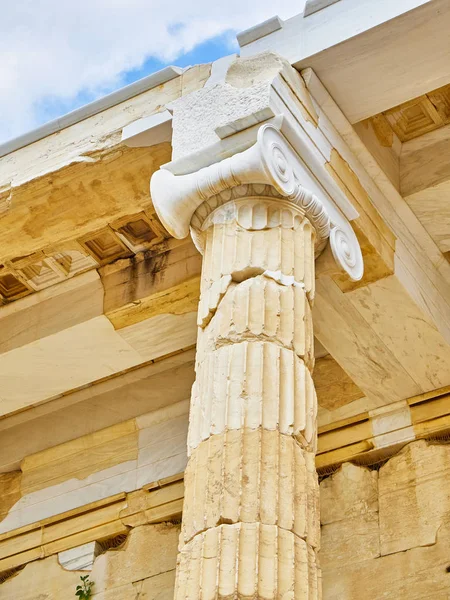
(250, 522)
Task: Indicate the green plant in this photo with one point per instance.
(84, 591)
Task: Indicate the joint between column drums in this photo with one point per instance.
(247, 561)
(216, 292)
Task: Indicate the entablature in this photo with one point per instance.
(377, 348)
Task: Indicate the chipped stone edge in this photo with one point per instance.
(125, 93)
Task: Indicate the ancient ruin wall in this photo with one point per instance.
(386, 532)
(385, 535)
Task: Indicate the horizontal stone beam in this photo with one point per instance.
(425, 182)
(367, 439)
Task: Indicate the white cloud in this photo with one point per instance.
(57, 49)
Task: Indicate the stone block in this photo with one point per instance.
(417, 574)
(414, 496)
(350, 541)
(79, 558)
(349, 493)
(148, 551)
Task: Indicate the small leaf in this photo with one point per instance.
(84, 591)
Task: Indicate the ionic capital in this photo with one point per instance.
(270, 169)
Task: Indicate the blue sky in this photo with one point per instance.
(56, 56)
(206, 52)
(52, 107)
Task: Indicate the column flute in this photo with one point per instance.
(251, 522)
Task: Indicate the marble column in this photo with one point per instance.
(251, 522)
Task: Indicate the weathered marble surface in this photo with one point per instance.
(386, 533)
(122, 458)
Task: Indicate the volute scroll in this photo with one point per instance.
(184, 201)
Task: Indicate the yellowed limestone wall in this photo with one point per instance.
(385, 535)
(142, 569)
